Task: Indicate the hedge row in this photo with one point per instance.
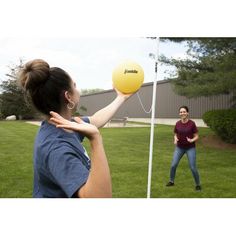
(223, 123)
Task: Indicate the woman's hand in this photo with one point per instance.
(89, 130)
(194, 139)
(189, 140)
(175, 139)
(120, 94)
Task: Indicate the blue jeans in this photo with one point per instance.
(191, 154)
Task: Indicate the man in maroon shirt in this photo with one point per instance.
(186, 134)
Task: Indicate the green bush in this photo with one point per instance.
(223, 123)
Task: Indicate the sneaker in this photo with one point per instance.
(198, 188)
(170, 184)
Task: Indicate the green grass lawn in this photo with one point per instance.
(127, 150)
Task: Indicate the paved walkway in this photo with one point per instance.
(167, 121)
(34, 122)
(198, 122)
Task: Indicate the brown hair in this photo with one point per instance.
(44, 85)
(185, 107)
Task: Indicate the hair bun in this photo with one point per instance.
(34, 73)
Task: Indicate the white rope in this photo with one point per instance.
(140, 101)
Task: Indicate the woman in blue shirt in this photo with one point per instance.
(62, 167)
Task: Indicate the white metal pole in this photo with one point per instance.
(152, 123)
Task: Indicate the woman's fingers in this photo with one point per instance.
(58, 121)
(56, 118)
(87, 129)
(55, 115)
(78, 120)
(64, 126)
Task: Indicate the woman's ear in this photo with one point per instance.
(68, 96)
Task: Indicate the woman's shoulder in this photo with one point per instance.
(192, 124)
(191, 121)
(51, 132)
(178, 122)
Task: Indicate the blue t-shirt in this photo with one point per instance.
(61, 164)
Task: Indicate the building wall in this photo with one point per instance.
(167, 102)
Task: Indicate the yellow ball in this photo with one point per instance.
(128, 77)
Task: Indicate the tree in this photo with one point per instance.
(210, 68)
(90, 91)
(1, 115)
(12, 99)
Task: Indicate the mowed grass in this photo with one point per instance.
(16, 163)
(127, 151)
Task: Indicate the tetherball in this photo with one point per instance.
(128, 77)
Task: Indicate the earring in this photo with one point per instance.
(71, 105)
